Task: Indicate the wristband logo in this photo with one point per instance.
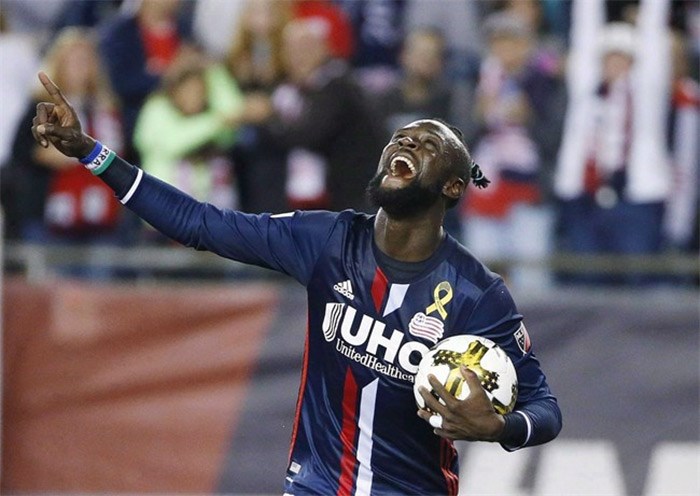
(103, 158)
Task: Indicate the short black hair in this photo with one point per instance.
(464, 167)
(461, 167)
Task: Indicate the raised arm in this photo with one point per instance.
(288, 243)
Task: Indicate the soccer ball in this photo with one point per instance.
(488, 360)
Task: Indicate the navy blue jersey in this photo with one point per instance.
(356, 430)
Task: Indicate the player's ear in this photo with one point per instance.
(454, 188)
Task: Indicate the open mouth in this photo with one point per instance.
(402, 167)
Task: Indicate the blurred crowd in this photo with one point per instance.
(583, 113)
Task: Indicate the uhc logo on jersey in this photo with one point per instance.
(368, 342)
(331, 319)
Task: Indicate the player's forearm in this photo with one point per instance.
(169, 210)
(104, 163)
(243, 237)
(536, 423)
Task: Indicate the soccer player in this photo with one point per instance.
(382, 289)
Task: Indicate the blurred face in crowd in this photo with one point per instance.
(616, 65)
(190, 94)
(513, 51)
(304, 48)
(161, 9)
(76, 66)
(529, 11)
(260, 16)
(422, 55)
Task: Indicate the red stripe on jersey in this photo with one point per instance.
(379, 286)
(348, 436)
(300, 395)
(447, 456)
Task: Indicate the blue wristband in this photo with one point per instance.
(93, 154)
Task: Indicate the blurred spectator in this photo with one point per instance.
(459, 22)
(547, 55)
(137, 47)
(58, 200)
(323, 118)
(212, 25)
(85, 13)
(214, 19)
(185, 131)
(691, 17)
(378, 27)
(681, 221)
(557, 18)
(255, 56)
(549, 49)
(35, 17)
(18, 51)
(255, 60)
(422, 92)
(340, 38)
(516, 102)
(613, 173)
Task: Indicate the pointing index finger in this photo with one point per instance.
(52, 89)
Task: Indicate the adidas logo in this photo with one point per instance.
(345, 289)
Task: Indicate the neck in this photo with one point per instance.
(409, 240)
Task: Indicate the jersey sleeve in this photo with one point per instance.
(289, 243)
(536, 416)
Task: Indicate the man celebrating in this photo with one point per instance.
(374, 284)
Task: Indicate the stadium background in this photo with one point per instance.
(192, 389)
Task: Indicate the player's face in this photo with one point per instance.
(413, 168)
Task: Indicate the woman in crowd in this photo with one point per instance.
(58, 201)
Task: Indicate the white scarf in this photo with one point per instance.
(610, 139)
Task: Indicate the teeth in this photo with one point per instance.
(410, 165)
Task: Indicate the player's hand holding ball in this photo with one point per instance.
(463, 387)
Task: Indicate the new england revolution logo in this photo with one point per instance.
(426, 327)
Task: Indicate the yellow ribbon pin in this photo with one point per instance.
(440, 299)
